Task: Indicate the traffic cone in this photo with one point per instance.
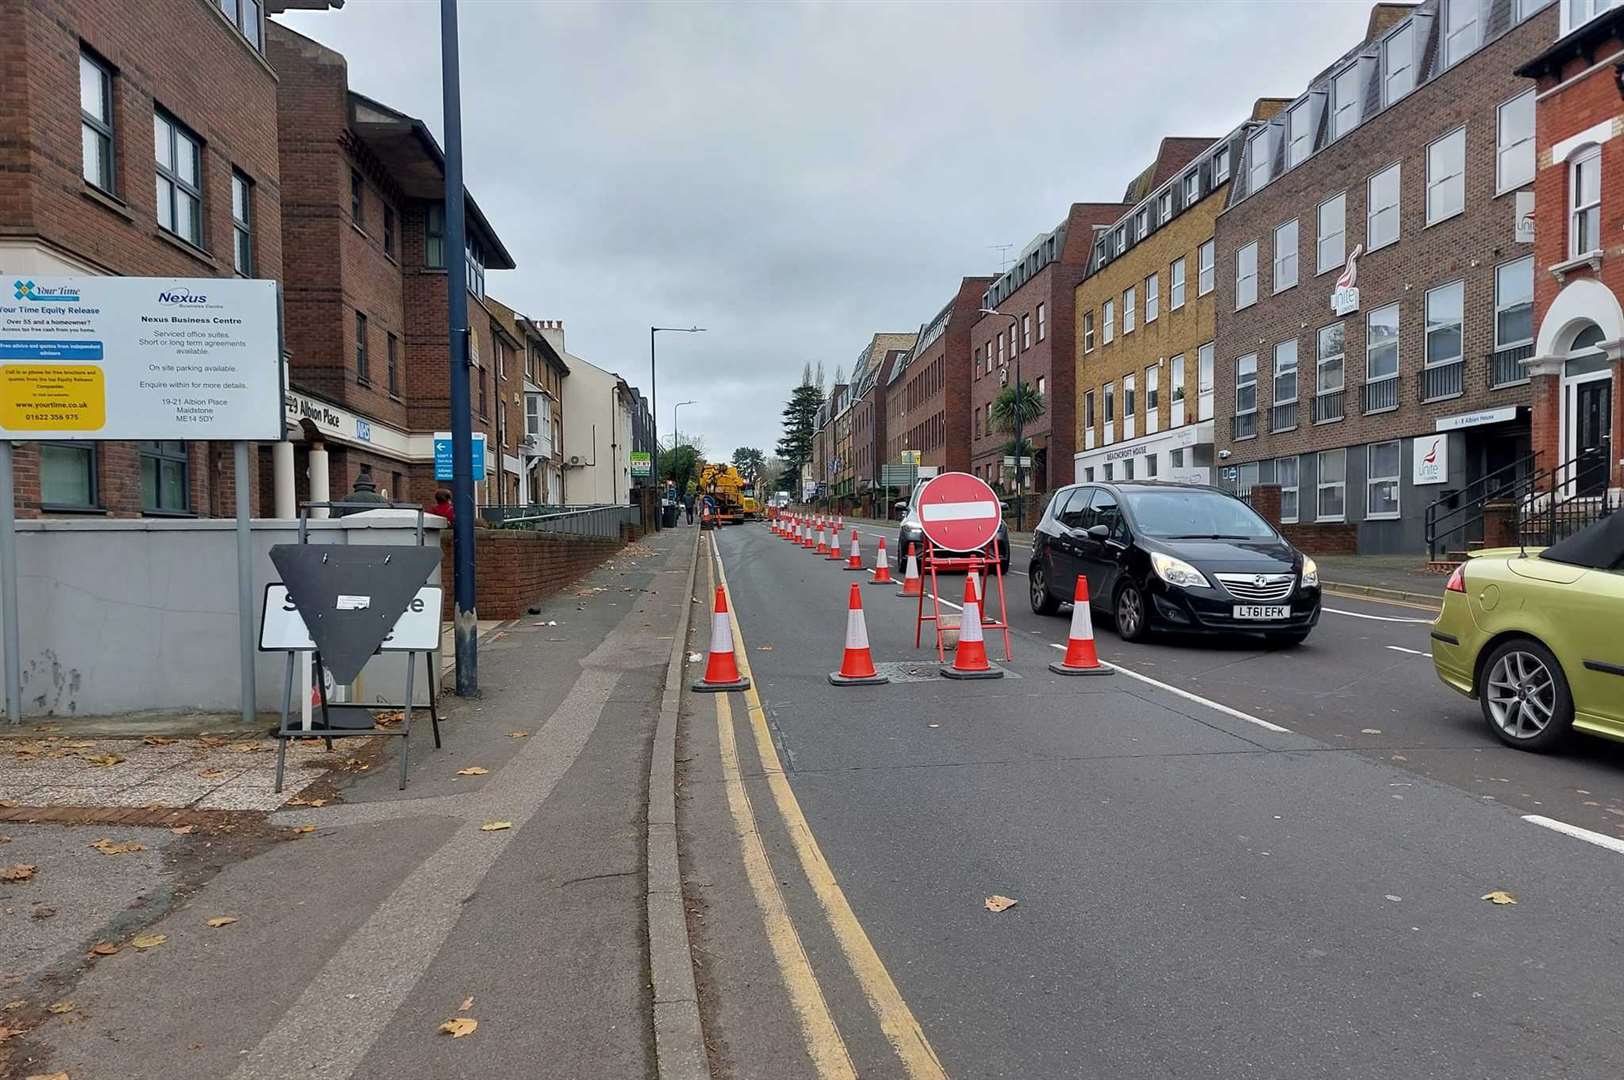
(1081, 658)
(857, 665)
(722, 668)
(834, 546)
(823, 541)
(882, 567)
(912, 583)
(854, 561)
(970, 656)
(810, 540)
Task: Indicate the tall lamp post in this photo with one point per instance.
(1020, 492)
(653, 396)
(674, 428)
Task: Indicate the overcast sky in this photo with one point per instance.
(796, 177)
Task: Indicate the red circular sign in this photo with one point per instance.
(959, 512)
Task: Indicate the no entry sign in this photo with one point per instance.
(959, 512)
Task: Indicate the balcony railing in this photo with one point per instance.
(1508, 366)
(1328, 406)
(1441, 381)
(1283, 417)
(1381, 395)
(1245, 425)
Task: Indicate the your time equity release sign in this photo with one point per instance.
(139, 358)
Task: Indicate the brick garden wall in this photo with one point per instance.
(517, 569)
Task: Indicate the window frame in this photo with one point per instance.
(1108, 402)
(1190, 187)
(389, 230)
(1088, 331)
(1220, 165)
(1026, 332)
(1321, 487)
(1321, 236)
(1043, 323)
(1244, 384)
(1458, 178)
(1274, 388)
(1293, 488)
(1164, 207)
(358, 200)
(1338, 107)
(1396, 207)
(1405, 30)
(363, 358)
(1130, 397)
(1175, 284)
(434, 215)
(155, 450)
(1590, 156)
(1394, 478)
(1088, 410)
(99, 128)
(1130, 309)
(1275, 269)
(1259, 160)
(92, 465)
(392, 364)
(1304, 139)
(1240, 254)
(242, 225)
(1153, 390)
(1448, 35)
(1428, 329)
(169, 173)
(1500, 307)
(1108, 332)
(1371, 347)
(1153, 297)
(1206, 268)
(1322, 360)
(1501, 150)
(1175, 379)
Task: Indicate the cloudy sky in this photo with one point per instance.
(795, 177)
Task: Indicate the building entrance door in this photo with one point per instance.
(1590, 424)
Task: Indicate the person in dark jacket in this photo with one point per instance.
(366, 491)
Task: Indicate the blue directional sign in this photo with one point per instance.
(442, 455)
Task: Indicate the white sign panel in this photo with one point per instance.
(1429, 459)
(417, 630)
(1523, 228)
(1475, 419)
(139, 358)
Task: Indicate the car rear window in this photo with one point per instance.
(1171, 515)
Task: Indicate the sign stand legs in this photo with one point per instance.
(8, 588)
(245, 585)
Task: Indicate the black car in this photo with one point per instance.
(1182, 557)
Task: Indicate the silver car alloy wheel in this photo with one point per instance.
(1521, 694)
(1037, 584)
(1130, 612)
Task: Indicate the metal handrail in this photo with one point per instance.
(1572, 495)
(605, 520)
(1465, 507)
(1508, 366)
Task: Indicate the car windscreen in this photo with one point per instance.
(1193, 515)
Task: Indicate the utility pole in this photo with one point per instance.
(465, 616)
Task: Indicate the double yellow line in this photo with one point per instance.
(822, 1035)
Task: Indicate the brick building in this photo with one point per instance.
(866, 416)
(1578, 362)
(540, 437)
(1037, 292)
(927, 401)
(1373, 293)
(365, 301)
(1145, 320)
(136, 139)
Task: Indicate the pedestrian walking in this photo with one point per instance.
(688, 505)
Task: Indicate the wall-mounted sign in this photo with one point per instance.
(1345, 297)
(1523, 227)
(1429, 459)
(442, 455)
(139, 358)
(1475, 419)
(642, 464)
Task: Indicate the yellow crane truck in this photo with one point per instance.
(725, 487)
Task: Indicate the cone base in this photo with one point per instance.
(837, 679)
(1059, 668)
(858, 569)
(883, 581)
(905, 592)
(993, 671)
(720, 688)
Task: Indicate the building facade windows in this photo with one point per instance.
(1514, 303)
(389, 230)
(1108, 332)
(1381, 208)
(1446, 177)
(179, 157)
(164, 487)
(1206, 275)
(1445, 363)
(1285, 256)
(1088, 331)
(96, 122)
(1141, 224)
(1192, 188)
(1330, 349)
(1347, 101)
(1130, 407)
(362, 368)
(1220, 165)
(1026, 331)
(1205, 358)
(358, 201)
(1285, 477)
(1462, 29)
(1300, 132)
(1043, 323)
(1381, 359)
(245, 16)
(1257, 159)
(1284, 416)
(1331, 485)
(392, 362)
(67, 475)
(242, 225)
(1575, 13)
(1175, 284)
(1381, 480)
(1398, 64)
(1246, 276)
(1153, 297)
(1584, 203)
(1330, 244)
(1246, 396)
(1175, 391)
(1130, 306)
(1153, 399)
(1514, 143)
(1164, 208)
(434, 237)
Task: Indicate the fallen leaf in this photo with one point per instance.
(517, 734)
(47, 1076)
(212, 774)
(108, 847)
(158, 740)
(61, 1007)
(105, 948)
(17, 872)
(249, 747)
(102, 761)
(148, 941)
(459, 1026)
(764, 648)
(42, 911)
(467, 1003)
(489, 826)
(5, 839)
(184, 830)
(8, 804)
(694, 658)
(304, 828)
(1000, 903)
(1370, 731)
(19, 1003)
(472, 770)
(1499, 896)
(386, 719)
(221, 920)
(7, 1033)
(1394, 899)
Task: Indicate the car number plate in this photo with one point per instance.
(1262, 611)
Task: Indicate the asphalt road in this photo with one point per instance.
(1200, 895)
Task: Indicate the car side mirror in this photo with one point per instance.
(899, 505)
(1099, 532)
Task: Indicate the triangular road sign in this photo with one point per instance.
(350, 595)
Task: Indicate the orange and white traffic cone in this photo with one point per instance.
(970, 656)
(854, 560)
(823, 540)
(912, 583)
(1081, 657)
(882, 567)
(857, 665)
(834, 547)
(722, 668)
(810, 540)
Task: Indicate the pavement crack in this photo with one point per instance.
(597, 877)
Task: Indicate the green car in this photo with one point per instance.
(1537, 636)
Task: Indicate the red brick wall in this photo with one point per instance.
(177, 54)
(515, 570)
(929, 407)
(1316, 539)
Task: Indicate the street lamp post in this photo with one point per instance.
(653, 396)
(1020, 493)
(674, 428)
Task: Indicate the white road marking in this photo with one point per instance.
(1197, 698)
(1412, 652)
(1377, 618)
(1611, 843)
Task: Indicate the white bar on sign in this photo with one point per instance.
(959, 511)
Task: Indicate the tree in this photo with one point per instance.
(1005, 404)
(751, 463)
(680, 464)
(776, 476)
(800, 414)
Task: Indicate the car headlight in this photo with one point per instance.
(1177, 572)
(1310, 573)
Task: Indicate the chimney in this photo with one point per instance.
(553, 331)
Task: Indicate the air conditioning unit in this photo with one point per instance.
(575, 459)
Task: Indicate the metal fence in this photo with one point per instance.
(576, 520)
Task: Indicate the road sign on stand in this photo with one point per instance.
(959, 512)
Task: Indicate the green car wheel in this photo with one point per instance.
(1525, 696)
